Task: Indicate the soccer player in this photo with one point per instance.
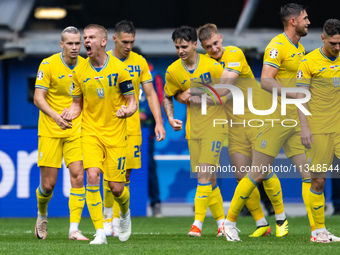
(205, 141)
(124, 39)
(281, 61)
(56, 141)
(103, 91)
(241, 138)
(319, 73)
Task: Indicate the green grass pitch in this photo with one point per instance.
(163, 236)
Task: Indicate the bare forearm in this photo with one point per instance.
(45, 108)
(168, 106)
(132, 106)
(155, 107)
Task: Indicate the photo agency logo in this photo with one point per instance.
(238, 104)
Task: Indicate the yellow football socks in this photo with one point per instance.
(317, 206)
(76, 203)
(272, 186)
(253, 204)
(43, 198)
(305, 196)
(216, 204)
(203, 192)
(116, 206)
(241, 194)
(94, 205)
(108, 196)
(123, 201)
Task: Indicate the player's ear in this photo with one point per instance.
(104, 42)
(62, 44)
(114, 38)
(221, 37)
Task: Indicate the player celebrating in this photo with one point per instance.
(52, 94)
(137, 66)
(281, 60)
(103, 88)
(319, 73)
(241, 139)
(205, 142)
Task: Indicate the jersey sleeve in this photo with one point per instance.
(236, 61)
(44, 77)
(274, 54)
(145, 72)
(125, 83)
(304, 74)
(170, 87)
(216, 70)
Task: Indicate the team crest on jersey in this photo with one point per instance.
(299, 54)
(40, 75)
(336, 81)
(273, 53)
(299, 75)
(100, 92)
(334, 67)
(234, 64)
(263, 144)
(70, 76)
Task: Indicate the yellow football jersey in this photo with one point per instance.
(55, 76)
(102, 98)
(234, 60)
(140, 74)
(282, 54)
(321, 74)
(178, 77)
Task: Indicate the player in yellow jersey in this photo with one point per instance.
(241, 137)
(281, 60)
(319, 73)
(205, 141)
(52, 93)
(124, 39)
(103, 91)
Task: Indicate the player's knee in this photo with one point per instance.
(48, 187)
(93, 178)
(117, 191)
(77, 180)
(318, 184)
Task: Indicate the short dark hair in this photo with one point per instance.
(125, 26)
(185, 33)
(331, 27)
(289, 10)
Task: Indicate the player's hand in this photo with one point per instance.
(183, 97)
(195, 100)
(176, 124)
(306, 138)
(160, 132)
(66, 115)
(122, 112)
(63, 123)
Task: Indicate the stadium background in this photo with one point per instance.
(25, 40)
